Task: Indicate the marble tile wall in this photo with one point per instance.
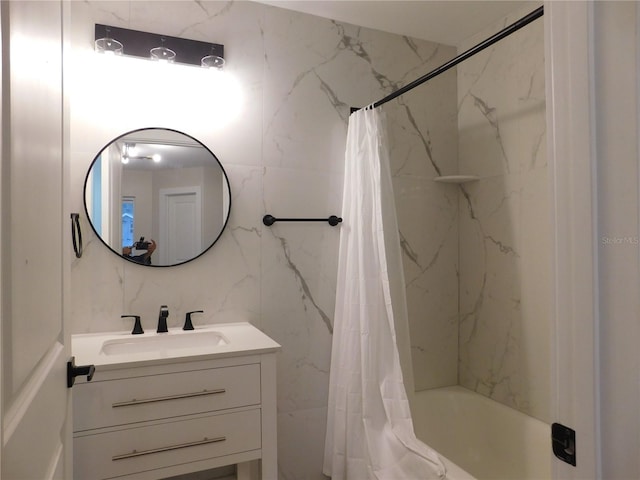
(428, 223)
(504, 222)
(283, 154)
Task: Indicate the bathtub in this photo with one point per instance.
(484, 438)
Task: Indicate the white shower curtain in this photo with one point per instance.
(369, 428)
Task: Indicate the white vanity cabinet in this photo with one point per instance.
(155, 419)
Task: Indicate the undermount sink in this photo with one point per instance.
(162, 341)
(114, 350)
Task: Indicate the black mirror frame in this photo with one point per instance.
(86, 210)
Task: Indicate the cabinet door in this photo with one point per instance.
(33, 360)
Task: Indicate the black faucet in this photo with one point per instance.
(162, 319)
(187, 321)
(137, 327)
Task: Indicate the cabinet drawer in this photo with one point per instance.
(130, 400)
(139, 449)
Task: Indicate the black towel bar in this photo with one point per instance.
(269, 220)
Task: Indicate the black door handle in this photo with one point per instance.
(73, 371)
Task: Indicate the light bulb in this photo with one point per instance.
(163, 54)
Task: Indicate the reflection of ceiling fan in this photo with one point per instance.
(130, 152)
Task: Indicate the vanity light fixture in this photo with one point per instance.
(130, 152)
(163, 53)
(212, 60)
(158, 47)
(124, 155)
(107, 44)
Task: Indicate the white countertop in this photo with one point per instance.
(242, 337)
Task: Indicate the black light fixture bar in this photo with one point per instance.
(139, 44)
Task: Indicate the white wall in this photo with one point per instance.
(617, 106)
(283, 154)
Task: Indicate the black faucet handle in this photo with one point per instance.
(162, 319)
(187, 321)
(137, 327)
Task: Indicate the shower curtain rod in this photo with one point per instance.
(505, 32)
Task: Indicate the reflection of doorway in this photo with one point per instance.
(128, 221)
(180, 224)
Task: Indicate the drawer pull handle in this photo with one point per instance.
(169, 397)
(135, 453)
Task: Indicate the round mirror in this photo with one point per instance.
(157, 197)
